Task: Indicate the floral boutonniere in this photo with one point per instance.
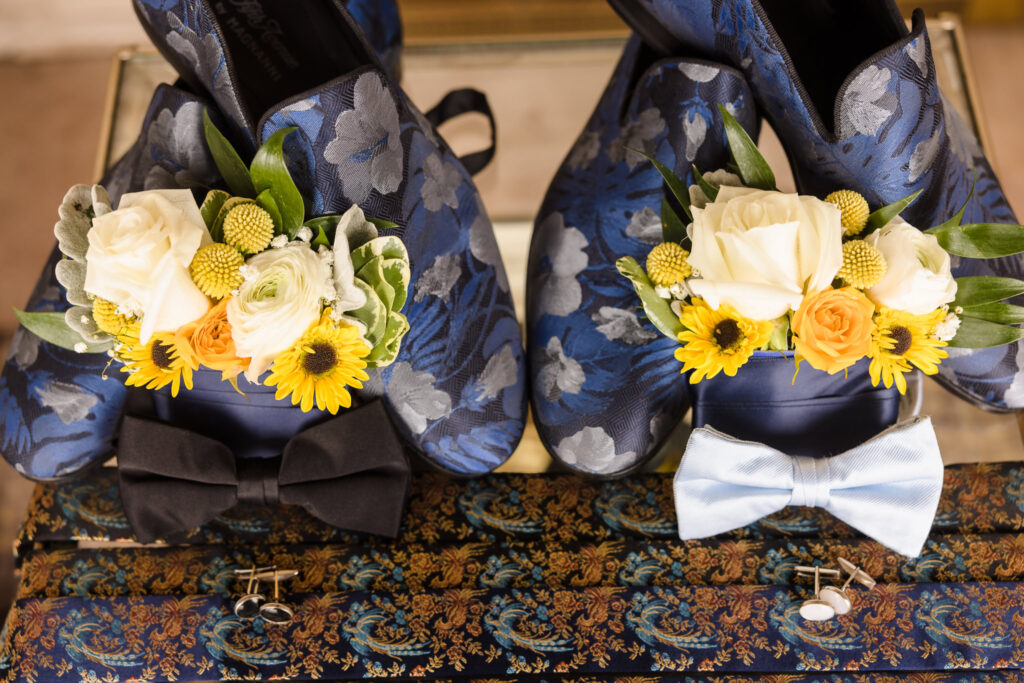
(754, 269)
(243, 284)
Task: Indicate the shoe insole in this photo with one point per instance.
(827, 39)
(280, 48)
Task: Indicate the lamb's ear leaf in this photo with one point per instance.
(657, 309)
(50, 327)
(753, 169)
(269, 172)
(230, 165)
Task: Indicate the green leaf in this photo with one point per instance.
(373, 274)
(672, 228)
(382, 224)
(217, 226)
(50, 327)
(996, 312)
(373, 314)
(975, 333)
(326, 225)
(388, 247)
(266, 200)
(674, 182)
(657, 309)
(212, 205)
(321, 238)
(880, 217)
(753, 168)
(982, 289)
(980, 240)
(230, 165)
(779, 341)
(269, 172)
(709, 190)
(958, 217)
(386, 350)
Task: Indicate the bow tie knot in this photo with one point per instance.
(811, 482)
(887, 487)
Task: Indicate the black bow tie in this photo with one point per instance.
(349, 471)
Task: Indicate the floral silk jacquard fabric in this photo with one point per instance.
(515, 575)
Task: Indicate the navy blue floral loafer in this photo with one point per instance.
(852, 94)
(602, 399)
(455, 391)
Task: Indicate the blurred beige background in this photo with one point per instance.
(55, 59)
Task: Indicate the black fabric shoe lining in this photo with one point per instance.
(827, 39)
(279, 48)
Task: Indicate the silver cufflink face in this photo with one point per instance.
(817, 609)
(837, 597)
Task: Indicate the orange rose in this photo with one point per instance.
(832, 328)
(210, 339)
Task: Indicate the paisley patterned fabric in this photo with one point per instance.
(456, 391)
(893, 134)
(518, 575)
(606, 389)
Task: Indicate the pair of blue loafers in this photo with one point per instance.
(861, 112)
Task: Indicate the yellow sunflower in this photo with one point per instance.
(901, 339)
(165, 359)
(325, 360)
(718, 340)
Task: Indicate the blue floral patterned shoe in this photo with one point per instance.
(456, 391)
(853, 96)
(602, 398)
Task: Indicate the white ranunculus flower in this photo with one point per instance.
(139, 255)
(761, 251)
(918, 278)
(277, 304)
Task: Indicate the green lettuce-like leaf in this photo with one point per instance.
(230, 165)
(983, 289)
(372, 314)
(386, 350)
(397, 274)
(753, 169)
(214, 202)
(270, 173)
(980, 240)
(657, 309)
(975, 333)
(674, 182)
(388, 247)
(51, 327)
(996, 312)
(372, 273)
(672, 227)
(880, 217)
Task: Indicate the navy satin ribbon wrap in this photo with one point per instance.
(349, 470)
(818, 414)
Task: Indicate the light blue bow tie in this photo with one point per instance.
(887, 488)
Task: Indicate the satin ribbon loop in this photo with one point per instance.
(349, 471)
(257, 480)
(811, 485)
(887, 488)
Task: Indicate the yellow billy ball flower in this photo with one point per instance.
(667, 264)
(249, 227)
(863, 266)
(107, 318)
(854, 209)
(215, 269)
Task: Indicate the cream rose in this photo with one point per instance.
(279, 300)
(918, 279)
(761, 251)
(138, 258)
